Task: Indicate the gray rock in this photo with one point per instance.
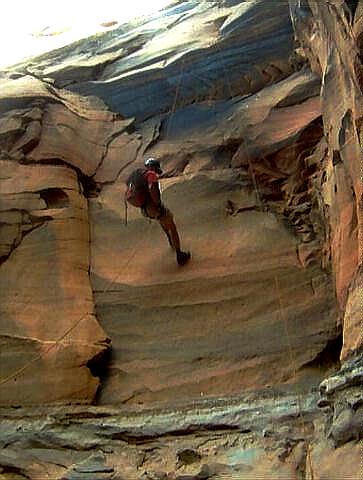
(92, 468)
(188, 456)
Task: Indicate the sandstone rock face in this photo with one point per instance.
(224, 440)
(246, 363)
(341, 463)
(216, 327)
(49, 330)
(336, 59)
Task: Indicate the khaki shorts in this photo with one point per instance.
(157, 212)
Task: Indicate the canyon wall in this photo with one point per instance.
(245, 363)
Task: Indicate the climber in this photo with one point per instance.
(143, 191)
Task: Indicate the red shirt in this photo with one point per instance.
(153, 186)
(151, 177)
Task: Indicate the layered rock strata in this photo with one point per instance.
(245, 364)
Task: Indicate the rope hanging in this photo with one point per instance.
(38, 357)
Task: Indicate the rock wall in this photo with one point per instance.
(336, 60)
(247, 362)
(49, 330)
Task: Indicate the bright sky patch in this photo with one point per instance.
(32, 27)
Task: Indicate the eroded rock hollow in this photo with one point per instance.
(246, 363)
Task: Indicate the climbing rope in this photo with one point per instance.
(294, 366)
(41, 355)
(58, 341)
(175, 102)
(291, 356)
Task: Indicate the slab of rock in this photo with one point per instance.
(224, 323)
(92, 468)
(48, 328)
(139, 69)
(353, 331)
(327, 462)
(336, 59)
(78, 442)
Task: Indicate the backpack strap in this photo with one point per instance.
(125, 205)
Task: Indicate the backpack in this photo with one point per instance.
(136, 188)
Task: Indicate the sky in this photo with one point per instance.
(31, 27)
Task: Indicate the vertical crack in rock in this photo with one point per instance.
(126, 166)
(98, 364)
(124, 133)
(99, 367)
(329, 357)
(152, 133)
(88, 186)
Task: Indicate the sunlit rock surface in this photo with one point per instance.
(49, 330)
(216, 327)
(247, 362)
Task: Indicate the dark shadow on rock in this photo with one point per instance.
(99, 367)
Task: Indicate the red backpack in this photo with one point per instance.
(136, 188)
(137, 191)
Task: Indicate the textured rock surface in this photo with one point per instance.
(219, 439)
(216, 327)
(190, 48)
(45, 291)
(248, 362)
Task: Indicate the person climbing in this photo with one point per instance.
(142, 191)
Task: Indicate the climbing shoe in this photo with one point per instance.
(182, 257)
